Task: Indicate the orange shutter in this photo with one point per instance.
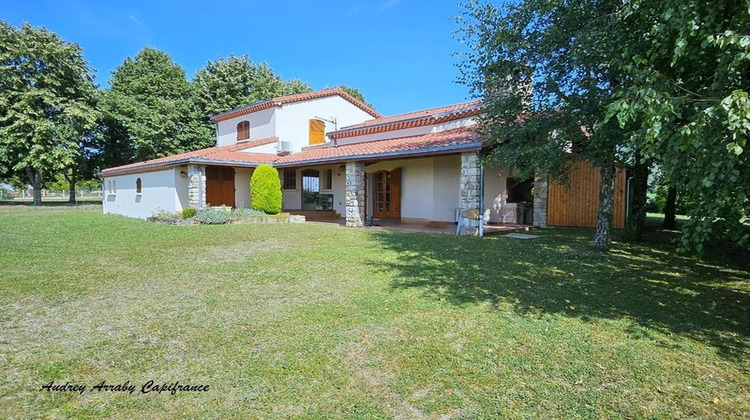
(317, 131)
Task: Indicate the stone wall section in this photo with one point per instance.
(355, 194)
(470, 194)
(196, 186)
(541, 195)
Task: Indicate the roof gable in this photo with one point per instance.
(282, 100)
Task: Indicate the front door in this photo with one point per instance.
(386, 197)
(219, 186)
(310, 189)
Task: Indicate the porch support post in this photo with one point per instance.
(355, 194)
(541, 194)
(470, 194)
(196, 186)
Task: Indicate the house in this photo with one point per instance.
(335, 154)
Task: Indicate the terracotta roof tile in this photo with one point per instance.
(410, 119)
(281, 100)
(230, 153)
(433, 143)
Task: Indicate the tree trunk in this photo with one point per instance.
(36, 183)
(606, 201)
(670, 208)
(637, 215)
(71, 185)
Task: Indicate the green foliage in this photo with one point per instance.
(687, 88)
(150, 109)
(356, 93)
(232, 82)
(189, 212)
(212, 216)
(240, 214)
(540, 67)
(163, 216)
(265, 190)
(47, 103)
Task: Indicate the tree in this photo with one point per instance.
(541, 68)
(356, 93)
(265, 189)
(688, 79)
(46, 102)
(150, 109)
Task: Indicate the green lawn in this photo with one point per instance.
(322, 321)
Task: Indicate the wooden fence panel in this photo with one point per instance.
(579, 204)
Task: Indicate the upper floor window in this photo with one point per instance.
(138, 186)
(317, 131)
(243, 130)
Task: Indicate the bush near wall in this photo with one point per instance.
(265, 189)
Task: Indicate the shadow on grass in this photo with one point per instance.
(559, 273)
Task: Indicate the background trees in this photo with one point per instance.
(46, 103)
(149, 109)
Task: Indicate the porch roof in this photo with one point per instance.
(448, 141)
(224, 155)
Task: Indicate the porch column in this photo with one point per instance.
(355, 194)
(470, 194)
(196, 186)
(541, 193)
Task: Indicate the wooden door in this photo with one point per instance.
(386, 194)
(220, 186)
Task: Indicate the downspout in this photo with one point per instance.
(481, 195)
(628, 198)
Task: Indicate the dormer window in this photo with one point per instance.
(317, 131)
(243, 130)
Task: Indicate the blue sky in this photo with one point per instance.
(399, 53)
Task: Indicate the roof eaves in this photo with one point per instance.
(402, 153)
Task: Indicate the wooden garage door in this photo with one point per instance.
(220, 186)
(579, 205)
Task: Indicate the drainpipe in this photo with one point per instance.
(627, 198)
(481, 197)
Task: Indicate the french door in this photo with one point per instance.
(386, 194)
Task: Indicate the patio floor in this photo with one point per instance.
(442, 228)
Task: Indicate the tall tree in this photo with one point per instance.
(232, 82)
(46, 102)
(688, 67)
(541, 68)
(150, 109)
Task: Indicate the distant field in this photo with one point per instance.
(323, 321)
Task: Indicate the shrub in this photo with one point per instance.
(213, 216)
(161, 215)
(265, 189)
(189, 212)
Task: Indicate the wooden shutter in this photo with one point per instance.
(396, 193)
(243, 130)
(317, 131)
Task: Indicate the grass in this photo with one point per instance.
(322, 321)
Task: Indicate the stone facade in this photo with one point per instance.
(196, 186)
(355, 194)
(541, 194)
(470, 194)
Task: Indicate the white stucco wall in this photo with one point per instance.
(158, 192)
(408, 132)
(447, 185)
(292, 120)
(262, 125)
(181, 189)
(429, 187)
(242, 187)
